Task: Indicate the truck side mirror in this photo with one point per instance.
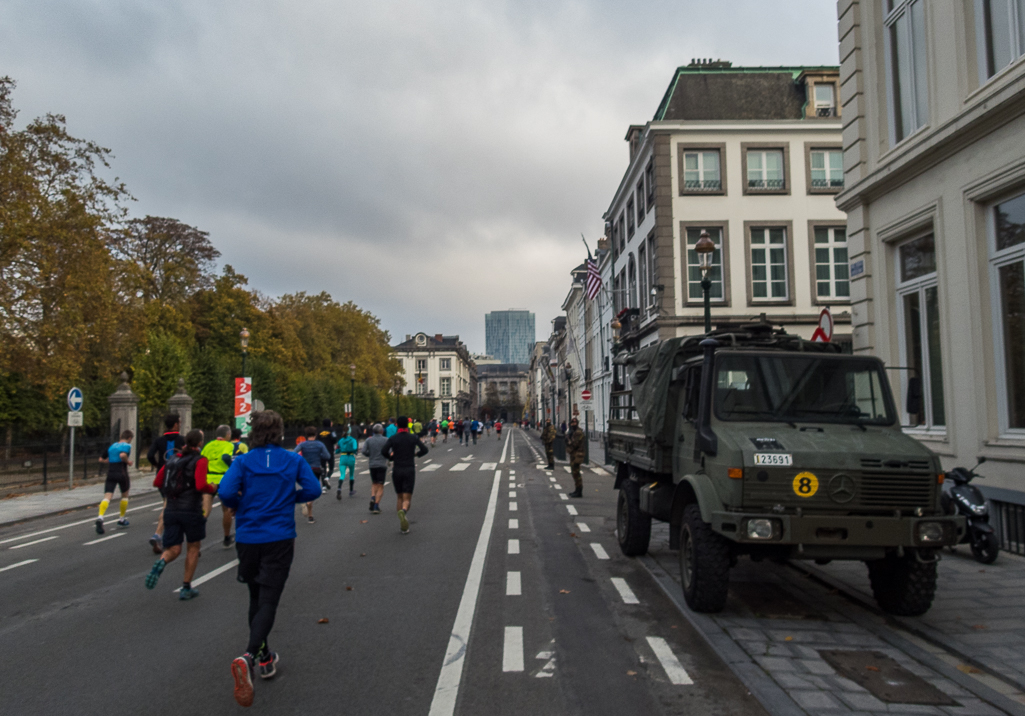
(914, 399)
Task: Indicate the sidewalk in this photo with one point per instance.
(40, 504)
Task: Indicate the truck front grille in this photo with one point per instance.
(874, 490)
(895, 490)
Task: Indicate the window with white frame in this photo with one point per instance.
(446, 409)
(826, 169)
(632, 278)
(1001, 30)
(640, 202)
(765, 169)
(622, 234)
(907, 67)
(446, 387)
(421, 365)
(701, 171)
(919, 327)
(629, 219)
(1007, 262)
(715, 273)
(825, 99)
(445, 363)
(769, 280)
(642, 259)
(832, 277)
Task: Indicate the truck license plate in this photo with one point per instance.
(777, 459)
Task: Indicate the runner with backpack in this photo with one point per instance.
(183, 482)
(162, 450)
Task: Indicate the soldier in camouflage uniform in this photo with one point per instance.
(548, 438)
(576, 445)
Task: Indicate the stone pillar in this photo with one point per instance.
(124, 414)
(181, 403)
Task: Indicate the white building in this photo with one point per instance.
(751, 155)
(934, 155)
(439, 367)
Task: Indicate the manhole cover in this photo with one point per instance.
(885, 679)
(768, 601)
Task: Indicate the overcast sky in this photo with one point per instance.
(429, 160)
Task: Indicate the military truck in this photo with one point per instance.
(750, 441)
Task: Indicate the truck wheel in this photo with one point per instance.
(633, 528)
(986, 548)
(903, 585)
(704, 563)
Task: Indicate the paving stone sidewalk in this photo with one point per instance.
(782, 620)
(39, 504)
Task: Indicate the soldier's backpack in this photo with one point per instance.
(180, 474)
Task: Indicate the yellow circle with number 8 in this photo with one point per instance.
(805, 484)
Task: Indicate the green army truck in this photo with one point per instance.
(750, 441)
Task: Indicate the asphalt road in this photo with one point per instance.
(499, 601)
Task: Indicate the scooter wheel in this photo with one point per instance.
(986, 548)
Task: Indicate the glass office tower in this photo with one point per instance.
(509, 335)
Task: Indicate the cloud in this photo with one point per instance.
(431, 161)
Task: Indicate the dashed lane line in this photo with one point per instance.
(29, 544)
(563, 496)
(599, 551)
(670, 664)
(488, 465)
(18, 564)
(429, 468)
(459, 467)
(566, 468)
(624, 591)
(514, 546)
(210, 575)
(513, 507)
(447, 690)
(73, 524)
(512, 493)
(514, 524)
(104, 539)
(582, 526)
(512, 649)
(571, 509)
(513, 588)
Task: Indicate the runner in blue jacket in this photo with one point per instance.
(261, 487)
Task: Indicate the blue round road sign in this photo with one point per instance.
(75, 399)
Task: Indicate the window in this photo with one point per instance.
(651, 267)
(640, 201)
(649, 180)
(919, 319)
(1001, 35)
(421, 365)
(825, 99)
(445, 364)
(1007, 251)
(908, 79)
(633, 282)
(630, 218)
(622, 235)
(701, 171)
(765, 169)
(446, 409)
(826, 167)
(446, 387)
(832, 278)
(715, 274)
(642, 259)
(615, 241)
(769, 280)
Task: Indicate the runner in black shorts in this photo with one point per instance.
(402, 449)
(118, 459)
(372, 448)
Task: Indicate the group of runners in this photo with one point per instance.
(258, 486)
(466, 429)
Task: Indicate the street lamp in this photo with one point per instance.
(704, 249)
(352, 393)
(398, 395)
(244, 338)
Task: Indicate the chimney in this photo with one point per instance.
(439, 338)
(408, 336)
(603, 243)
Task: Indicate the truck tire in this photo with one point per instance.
(704, 563)
(633, 527)
(903, 585)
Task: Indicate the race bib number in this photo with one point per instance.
(805, 484)
(776, 459)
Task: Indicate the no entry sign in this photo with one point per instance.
(585, 395)
(824, 332)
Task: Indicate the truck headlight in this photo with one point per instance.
(930, 532)
(762, 528)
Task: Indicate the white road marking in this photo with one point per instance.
(18, 564)
(459, 467)
(599, 551)
(73, 524)
(29, 544)
(430, 468)
(505, 447)
(563, 496)
(468, 457)
(514, 546)
(674, 670)
(542, 467)
(552, 479)
(582, 526)
(488, 465)
(447, 689)
(566, 468)
(367, 472)
(512, 493)
(599, 471)
(512, 650)
(571, 509)
(513, 507)
(513, 588)
(158, 509)
(430, 459)
(104, 539)
(624, 591)
(210, 575)
(512, 484)
(514, 524)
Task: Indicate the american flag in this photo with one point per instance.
(593, 279)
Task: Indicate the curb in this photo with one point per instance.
(66, 510)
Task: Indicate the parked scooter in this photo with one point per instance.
(966, 500)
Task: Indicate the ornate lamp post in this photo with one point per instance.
(704, 249)
(244, 338)
(398, 396)
(352, 392)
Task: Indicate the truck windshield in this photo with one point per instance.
(788, 388)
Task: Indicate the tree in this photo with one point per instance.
(161, 361)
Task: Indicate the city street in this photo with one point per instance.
(505, 598)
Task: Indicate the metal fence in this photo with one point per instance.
(46, 463)
(1010, 525)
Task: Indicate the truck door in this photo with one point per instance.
(683, 449)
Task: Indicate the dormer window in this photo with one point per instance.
(421, 339)
(825, 99)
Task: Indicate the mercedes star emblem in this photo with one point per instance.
(841, 488)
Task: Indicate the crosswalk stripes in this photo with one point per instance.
(459, 467)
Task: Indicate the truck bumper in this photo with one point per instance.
(812, 533)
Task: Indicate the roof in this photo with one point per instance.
(432, 343)
(706, 92)
(498, 370)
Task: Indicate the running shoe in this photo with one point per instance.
(403, 522)
(310, 519)
(185, 594)
(268, 665)
(377, 508)
(338, 494)
(99, 525)
(157, 543)
(242, 672)
(577, 493)
(228, 541)
(352, 492)
(372, 503)
(123, 522)
(154, 574)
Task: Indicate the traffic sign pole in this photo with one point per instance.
(74, 418)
